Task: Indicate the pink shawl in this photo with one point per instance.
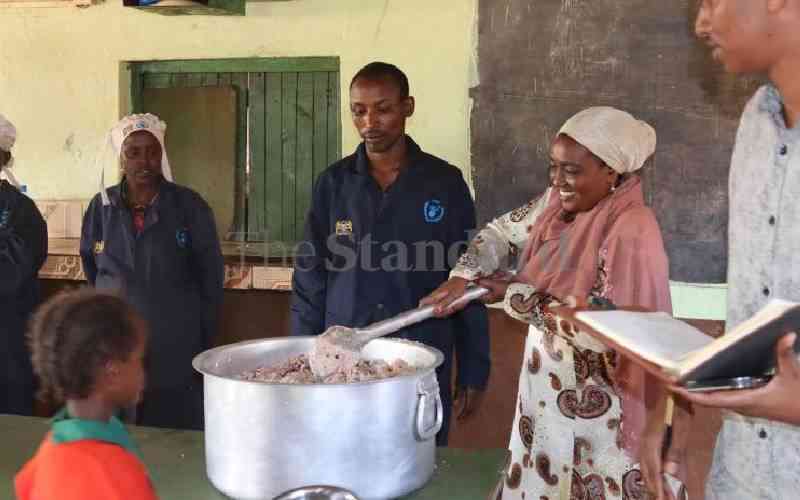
(616, 251)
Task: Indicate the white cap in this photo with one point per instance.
(127, 126)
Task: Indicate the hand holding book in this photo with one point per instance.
(678, 353)
(776, 401)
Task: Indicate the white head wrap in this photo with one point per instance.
(127, 126)
(8, 136)
(620, 140)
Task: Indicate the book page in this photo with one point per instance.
(655, 336)
(774, 310)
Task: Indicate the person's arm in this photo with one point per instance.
(310, 277)
(23, 247)
(91, 233)
(32, 228)
(487, 253)
(209, 265)
(505, 236)
(36, 234)
(778, 400)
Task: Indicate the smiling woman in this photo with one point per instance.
(582, 179)
(580, 420)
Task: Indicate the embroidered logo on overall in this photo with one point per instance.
(183, 238)
(5, 218)
(99, 246)
(344, 227)
(434, 211)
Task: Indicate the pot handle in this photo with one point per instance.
(428, 400)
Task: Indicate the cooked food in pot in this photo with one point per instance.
(297, 370)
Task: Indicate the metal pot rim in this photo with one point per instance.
(198, 361)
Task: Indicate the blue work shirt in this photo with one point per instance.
(172, 273)
(368, 254)
(23, 250)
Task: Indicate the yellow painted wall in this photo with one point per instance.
(60, 69)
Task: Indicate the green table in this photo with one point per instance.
(176, 462)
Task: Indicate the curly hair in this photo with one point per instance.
(73, 335)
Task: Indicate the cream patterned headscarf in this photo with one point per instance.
(620, 140)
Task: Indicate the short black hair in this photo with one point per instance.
(73, 335)
(380, 70)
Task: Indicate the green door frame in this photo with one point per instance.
(197, 73)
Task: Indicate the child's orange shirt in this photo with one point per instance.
(83, 460)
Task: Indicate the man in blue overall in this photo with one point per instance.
(156, 242)
(23, 249)
(386, 225)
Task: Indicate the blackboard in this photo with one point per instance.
(541, 61)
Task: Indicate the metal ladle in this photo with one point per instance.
(339, 347)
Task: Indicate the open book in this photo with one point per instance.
(678, 352)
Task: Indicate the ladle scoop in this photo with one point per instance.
(339, 347)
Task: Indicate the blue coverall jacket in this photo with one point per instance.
(369, 254)
(172, 273)
(23, 250)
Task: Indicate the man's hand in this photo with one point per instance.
(775, 401)
(467, 401)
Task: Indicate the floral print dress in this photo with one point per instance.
(567, 440)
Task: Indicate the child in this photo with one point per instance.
(88, 348)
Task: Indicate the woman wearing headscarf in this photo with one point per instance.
(156, 243)
(584, 415)
(23, 250)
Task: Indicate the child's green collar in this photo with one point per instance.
(67, 429)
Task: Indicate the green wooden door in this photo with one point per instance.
(288, 130)
(294, 135)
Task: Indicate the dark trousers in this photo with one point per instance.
(444, 376)
(173, 408)
(17, 395)
(17, 382)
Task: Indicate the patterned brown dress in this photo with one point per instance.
(566, 442)
(570, 438)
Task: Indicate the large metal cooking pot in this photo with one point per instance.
(375, 439)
